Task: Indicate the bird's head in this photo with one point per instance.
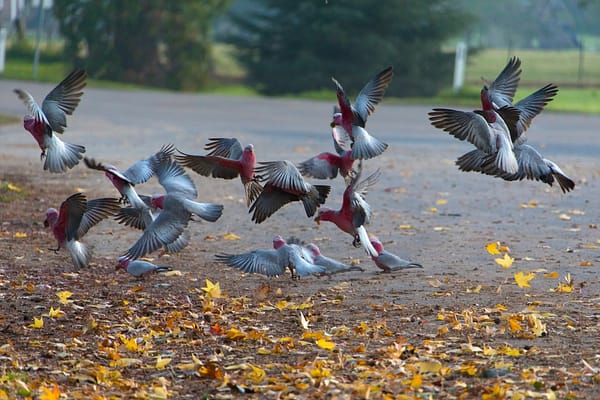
(337, 120)
(314, 249)
(123, 263)
(51, 217)
(323, 214)
(278, 241)
(377, 245)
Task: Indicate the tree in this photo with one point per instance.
(291, 46)
(158, 42)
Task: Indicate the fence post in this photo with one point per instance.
(460, 62)
(2, 48)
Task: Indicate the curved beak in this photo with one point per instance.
(332, 124)
(46, 223)
(318, 220)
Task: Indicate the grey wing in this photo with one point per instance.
(268, 202)
(292, 256)
(97, 210)
(32, 107)
(224, 147)
(394, 262)
(372, 93)
(502, 90)
(533, 104)
(138, 218)
(472, 161)
(64, 99)
(73, 209)
(333, 266)
(339, 137)
(284, 175)
(143, 170)
(174, 179)
(215, 166)
(264, 262)
(463, 126)
(165, 229)
(318, 167)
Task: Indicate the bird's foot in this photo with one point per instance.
(42, 155)
(257, 178)
(54, 250)
(356, 241)
(124, 200)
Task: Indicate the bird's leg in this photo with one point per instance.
(124, 200)
(257, 178)
(356, 241)
(42, 155)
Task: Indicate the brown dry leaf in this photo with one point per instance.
(585, 264)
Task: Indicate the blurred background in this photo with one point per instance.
(292, 48)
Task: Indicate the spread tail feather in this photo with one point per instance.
(80, 254)
(62, 156)
(366, 241)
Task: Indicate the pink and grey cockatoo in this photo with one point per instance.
(327, 165)
(312, 252)
(387, 261)
(489, 130)
(226, 160)
(140, 268)
(273, 262)
(177, 208)
(75, 217)
(44, 122)
(285, 184)
(353, 117)
(355, 212)
(532, 165)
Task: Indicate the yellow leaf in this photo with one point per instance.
(213, 290)
(175, 272)
(38, 323)
(125, 362)
(511, 351)
(50, 394)
(501, 307)
(55, 313)
(20, 235)
(562, 288)
(492, 248)
(313, 335)
(161, 363)
(64, 296)
(130, 344)
(257, 375)
(505, 262)
(514, 324)
(281, 305)
(13, 188)
(433, 209)
(406, 226)
(523, 279)
(417, 381)
(537, 327)
(564, 217)
(429, 366)
(231, 236)
(551, 275)
(325, 344)
(441, 202)
(585, 264)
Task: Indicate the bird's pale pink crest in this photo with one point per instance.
(278, 241)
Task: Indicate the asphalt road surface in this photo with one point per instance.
(425, 209)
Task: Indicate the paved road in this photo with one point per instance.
(121, 127)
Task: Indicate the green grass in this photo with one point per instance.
(560, 67)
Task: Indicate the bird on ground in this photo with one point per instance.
(285, 184)
(489, 130)
(355, 212)
(226, 160)
(44, 122)
(273, 262)
(140, 268)
(72, 221)
(387, 261)
(312, 252)
(326, 165)
(177, 209)
(352, 117)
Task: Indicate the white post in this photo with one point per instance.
(460, 62)
(2, 48)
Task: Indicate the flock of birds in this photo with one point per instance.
(496, 131)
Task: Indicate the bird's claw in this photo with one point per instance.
(54, 250)
(356, 241)
(42, 155)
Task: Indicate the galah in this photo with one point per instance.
(177, 208)
(226, 160)
(353, 117)
(355, 212)
(44, 122)
(532, 166)
(140, 268)
(501, 91)
(327, 165)
(273, 262)
(331, 266)
(285, 184)
(75, 217)
(138, 173)
(489, 130)
(389, 262)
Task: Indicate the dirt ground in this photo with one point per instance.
(458, 328)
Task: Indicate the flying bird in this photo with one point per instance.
(273, 262)
(284, 184)
(226, 160)
(177, 208)
(72, 221)
(352, 117)
(355, 212)
(387, 261)
(326, 165)
(44, 122)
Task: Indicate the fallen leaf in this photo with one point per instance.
(161, 363)
(325, 344)
(14, 188)
(231, 236)
(64, 296)
(551, 275)
(585, 264)
(564, 217)
(55, 313)
(505, 262)
(523, 279)
(213, 290)
(38, 323)
(257, 374)
(303, 321)
(441, 202)
(492, 248)
(175, 272)
(50, 394)
(20, 235)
